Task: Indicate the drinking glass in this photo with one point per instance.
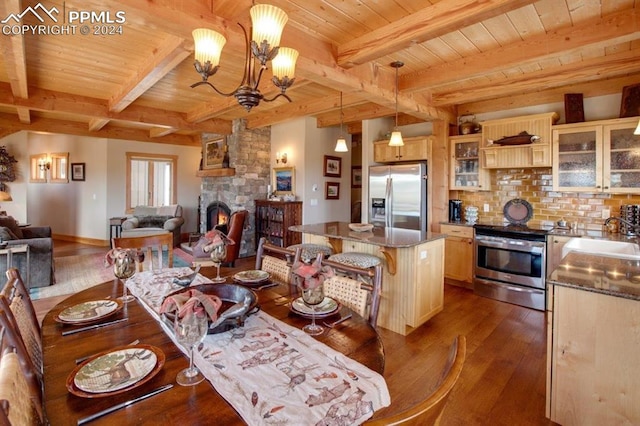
(124, 268)
(312, 297)
(218, 255)
(190, 331)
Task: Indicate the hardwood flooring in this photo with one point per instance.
(503, 380)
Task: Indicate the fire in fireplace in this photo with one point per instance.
(218, 216)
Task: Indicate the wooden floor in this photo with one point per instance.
(503, 380)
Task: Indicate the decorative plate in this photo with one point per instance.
(517, 211)
(253, 276)
(360, 227)
(115, 371)
(326, 308)
(88, 312)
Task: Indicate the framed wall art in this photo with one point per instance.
(77, 171)
(332, 166)
(356, 177)
(630, 103)
(284, 180)
(332, 191)
(213, 153)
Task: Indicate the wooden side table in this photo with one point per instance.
(115, 228)
(9, 251)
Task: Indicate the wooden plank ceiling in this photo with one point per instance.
(461, 57)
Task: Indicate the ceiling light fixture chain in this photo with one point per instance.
(341, 143)
(268, 22)
(396, 135)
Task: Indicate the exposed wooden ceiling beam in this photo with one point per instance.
(618, 64)
(365, 111)
(285, 112)
(554, 95)
(433, 21)
(160, 62)
(49, 101)
(616, 27)
(8, 124)
(13, 52)
(96, 124)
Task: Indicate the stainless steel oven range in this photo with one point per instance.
(510, 264)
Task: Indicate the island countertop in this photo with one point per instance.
(387, 237)
(614, 276)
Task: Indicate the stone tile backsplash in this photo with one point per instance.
(536, 187)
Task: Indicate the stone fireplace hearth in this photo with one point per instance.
(249, 154)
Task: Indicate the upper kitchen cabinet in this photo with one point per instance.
(414, 149)
(466, 173)
(513, 152)
(597, 156)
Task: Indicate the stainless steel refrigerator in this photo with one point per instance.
(398, 196)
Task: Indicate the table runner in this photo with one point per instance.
(272, 373)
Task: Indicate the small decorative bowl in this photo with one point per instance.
(360, 227)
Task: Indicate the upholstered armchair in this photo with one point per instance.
(38, 238)
(149, 220)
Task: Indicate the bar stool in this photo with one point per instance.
(309, 251)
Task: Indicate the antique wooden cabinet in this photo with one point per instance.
(273, 219)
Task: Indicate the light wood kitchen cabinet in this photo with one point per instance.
(597, 156)
(593, 359)
(537, 154)
(555, 243)
(414, 149)
(458, 253)
(466, 173)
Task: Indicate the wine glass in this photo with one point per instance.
(218, 255)
(190, 331)
(124, 267)
(312, 297)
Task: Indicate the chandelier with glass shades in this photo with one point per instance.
(267, 24)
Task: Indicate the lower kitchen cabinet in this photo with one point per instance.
(458, 254)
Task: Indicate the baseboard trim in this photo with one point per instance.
(81, 240)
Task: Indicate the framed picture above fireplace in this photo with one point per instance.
(284, 180)
(213, 153)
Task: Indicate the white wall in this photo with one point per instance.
(82, 208)
(306, 145)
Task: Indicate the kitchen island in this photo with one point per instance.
(593, 355)
(413, 280)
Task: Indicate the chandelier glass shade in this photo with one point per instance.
(267, 24)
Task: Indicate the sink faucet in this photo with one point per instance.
(632, 226)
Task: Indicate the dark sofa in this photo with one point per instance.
(40, 251)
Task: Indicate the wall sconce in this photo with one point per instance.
(44, 164)
(281, 157)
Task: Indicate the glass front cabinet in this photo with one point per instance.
(597, 156)
(466, 173)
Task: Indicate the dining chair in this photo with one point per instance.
(357, 288)
(15, 299)
(276, 260)
(149, 244)
(20, 402)
(11, 343)
(429, 410)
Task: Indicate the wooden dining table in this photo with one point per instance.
(199, 404)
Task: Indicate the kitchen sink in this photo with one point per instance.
(625, 249)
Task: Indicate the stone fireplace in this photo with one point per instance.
(249, 155)
(218, 216)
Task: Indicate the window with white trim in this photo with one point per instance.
(151, 180)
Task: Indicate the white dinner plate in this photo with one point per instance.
(89, 311)
(252, 276)
(116, 370)
(327, 307)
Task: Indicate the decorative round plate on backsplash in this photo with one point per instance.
(518, 211)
